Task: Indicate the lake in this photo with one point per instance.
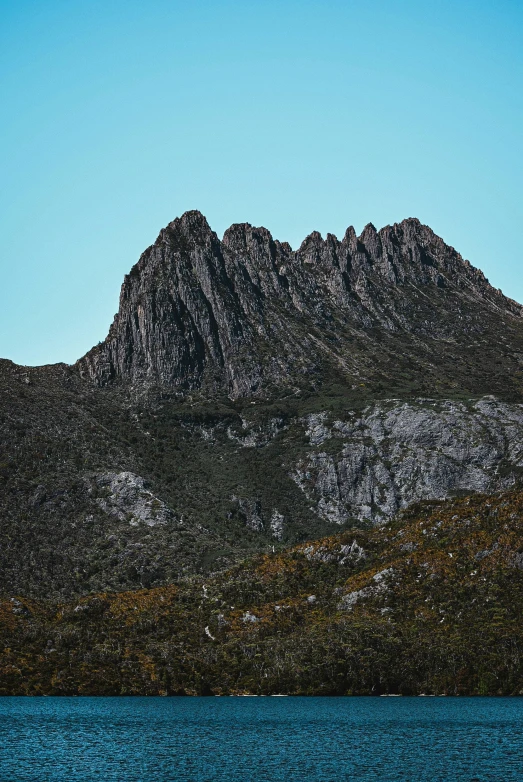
(251, 739)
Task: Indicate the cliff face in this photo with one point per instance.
(372, 464)
(247, 315)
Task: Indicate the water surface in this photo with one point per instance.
(254, 739)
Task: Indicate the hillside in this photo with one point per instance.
(428, 603)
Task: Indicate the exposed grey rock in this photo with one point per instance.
(380, 585)
(348, 554)
(277, 524)
(353, 553)
(315, 428)
(256, 435)
(408, 547)
(482, 554)
(247, 314)
(251, 511)
(19, 608)
(397, 452)
(126, 497)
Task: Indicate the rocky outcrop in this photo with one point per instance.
(126, 496)
(372, 464)
(254, 519)
(247, 315)
(250, 511)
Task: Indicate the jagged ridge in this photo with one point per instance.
(248, 314)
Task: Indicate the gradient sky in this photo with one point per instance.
(118, 116)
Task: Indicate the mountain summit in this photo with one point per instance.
(247, 315)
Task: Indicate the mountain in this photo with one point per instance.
(247, 316)
(249, 397)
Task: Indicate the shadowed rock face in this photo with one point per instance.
(247, 314)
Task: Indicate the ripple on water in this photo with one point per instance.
(255, 739)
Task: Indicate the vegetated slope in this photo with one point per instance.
(428, 603)
(101, 490)
(250, 397)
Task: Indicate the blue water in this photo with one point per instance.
(251, 739)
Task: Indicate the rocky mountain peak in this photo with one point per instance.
(191, 223)
(247, 314)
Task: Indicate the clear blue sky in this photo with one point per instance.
(117, 116)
